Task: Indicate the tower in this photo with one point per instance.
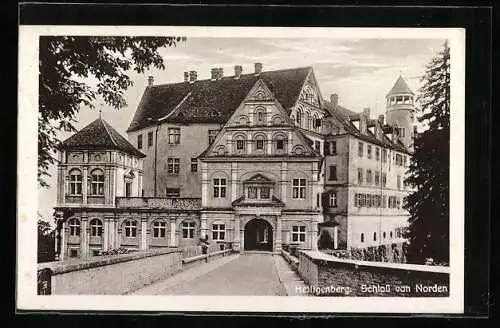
(400, 109)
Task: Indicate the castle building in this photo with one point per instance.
(255, 161)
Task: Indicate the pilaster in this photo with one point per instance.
(173, 236)
(144, 233)
(284, 178)
(203, 228)
(204, 184)
(234, 181)
(84, 237)
(278, 236)
(236, 237)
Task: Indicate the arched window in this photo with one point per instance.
(307, 121)
(280, 142)
(390, 234)
(384, 235)
(260, 116)
(75, 182)
(299, 117)
(95, 228)
(130, 228)
(74, 227)
(159, 229)
(218, 231)
(240, 144)
(362, 237)
(316, 122)
(188, 229)
(97, 182)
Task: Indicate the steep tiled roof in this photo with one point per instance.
(212, 101)
(100, 135)
(400, 87)
(344, 117)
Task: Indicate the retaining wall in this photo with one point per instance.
(327, 275)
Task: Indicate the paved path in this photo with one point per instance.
(248, 274)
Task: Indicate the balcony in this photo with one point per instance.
(159, 203)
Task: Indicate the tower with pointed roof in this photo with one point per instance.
(400, 109)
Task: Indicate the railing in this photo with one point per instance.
(192, 251)
(162, 203)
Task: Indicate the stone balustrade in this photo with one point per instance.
(159, 203)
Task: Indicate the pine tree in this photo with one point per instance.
(428, 205)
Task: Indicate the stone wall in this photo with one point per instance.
(109, 275)
(331, 276)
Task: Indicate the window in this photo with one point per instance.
(298, 234)
(401, 132)
(194, 164)
(368, 176)
(239, 144)
(261, 116)
(377, 178)
(360, 149)
(333, 173)
(399, 99)
(384, 179)
(384, 155)
(97, 183)
(174, 136)
(128, 189)
(150, 139)
(188, 228)
(219, 188)
(218, 231)
(377, 153)
(360, 176)
(260, 144)
(280, 144)
(73, 253)
(75, 182)
(369, 151)
(299, 188)
(299, 117)
(384, 201)
(211, 136)
(317, 146)
(139, 141)
(374, 236)
(173, 192)
(399, 181)
(95, 228)
(362, 237)
(333, 146)
(252, 192)
(384, 235)
(333, 199)
(74, 227)
(173, 165)
(265, 192)
(390, 234)
(130, 228)
(404, 160)
(159, 229)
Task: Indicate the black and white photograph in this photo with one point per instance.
(242, 169)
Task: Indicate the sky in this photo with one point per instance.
(360, 71)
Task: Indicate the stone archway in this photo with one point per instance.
(258, 235)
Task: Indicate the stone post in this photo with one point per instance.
(236, 240)
(84, 234)
(64, 240)
(144, 234)
(203, 228)
(173, 237)
(277, 247)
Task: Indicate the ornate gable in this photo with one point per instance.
(260, 93)
(259, 179)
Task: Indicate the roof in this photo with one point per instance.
(400, 87)
(210, 101)
(100, 135)
(344, 116)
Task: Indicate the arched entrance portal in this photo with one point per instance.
(258, 235)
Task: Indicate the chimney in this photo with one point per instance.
(381, 119)
(237, 71)
(334, 99)
(192, 76)
(220, 73)
(366, 112)
(186, 77)
(213, 73)
(151, 80)
(258, 68)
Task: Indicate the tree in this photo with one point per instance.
(68, 66)
(46, 241)
(428, 205)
